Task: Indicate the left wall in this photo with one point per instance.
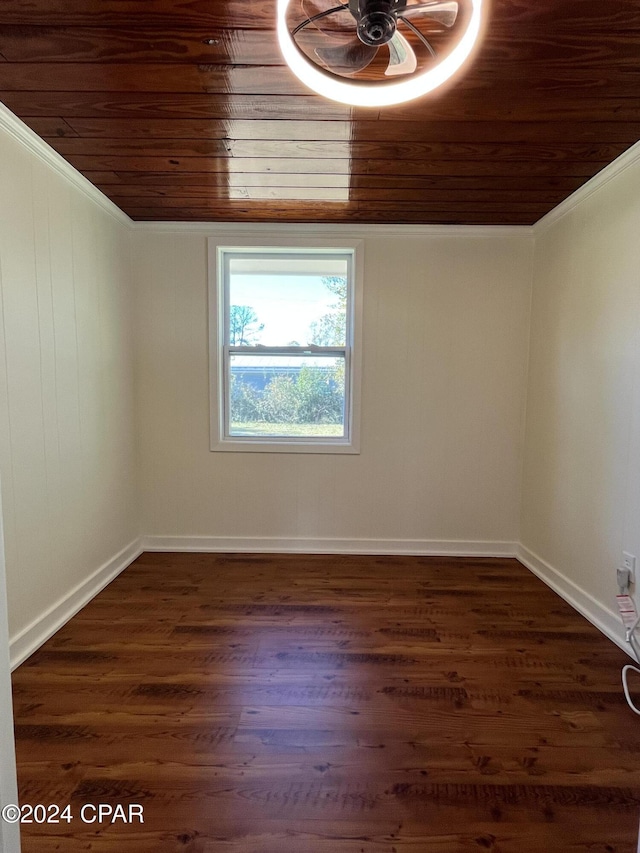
(67, 436)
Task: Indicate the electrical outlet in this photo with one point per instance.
(629, 562)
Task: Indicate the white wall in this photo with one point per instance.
(9, 833)
(67, 454)
(445, 349)
(581, 488)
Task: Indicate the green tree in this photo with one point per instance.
(279, 401)
(244, 328)
(320, 396)
(313, 396)
(330, 330)
(245, 401)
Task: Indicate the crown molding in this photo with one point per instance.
(16, 128)
(359, 230)
(613, 170)
(33, 143)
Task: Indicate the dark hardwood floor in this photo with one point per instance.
(323, 704)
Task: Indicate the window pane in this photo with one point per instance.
(295, 396)
(288, 300)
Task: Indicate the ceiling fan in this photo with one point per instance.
(376, 53)
(371, 26)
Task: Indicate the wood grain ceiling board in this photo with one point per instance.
(173, 128)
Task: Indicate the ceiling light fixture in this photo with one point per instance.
(370, 94)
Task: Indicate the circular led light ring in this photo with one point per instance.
(375, 94)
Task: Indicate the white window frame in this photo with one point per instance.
(218, 249)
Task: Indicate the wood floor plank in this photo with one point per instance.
(329, 704)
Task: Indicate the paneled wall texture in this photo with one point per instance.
(581, 487)
(67, 438)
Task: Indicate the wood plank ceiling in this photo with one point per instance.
(173, 127)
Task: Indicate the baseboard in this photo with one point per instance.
(601, 617)
(45, 626)
(41, 629)
(271, 545)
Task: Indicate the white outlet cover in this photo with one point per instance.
(629, 562)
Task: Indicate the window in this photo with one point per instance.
(284, 355)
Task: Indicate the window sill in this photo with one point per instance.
(284, 446)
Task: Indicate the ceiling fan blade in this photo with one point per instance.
(445, 12)
(333, 23)
(348, 58)
(402, 59)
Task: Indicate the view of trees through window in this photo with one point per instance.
(294, 393)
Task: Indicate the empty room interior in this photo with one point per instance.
(319, 426)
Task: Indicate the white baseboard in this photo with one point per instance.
(45, 626)
(253, 545)
(601, 617)
(42, 628)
